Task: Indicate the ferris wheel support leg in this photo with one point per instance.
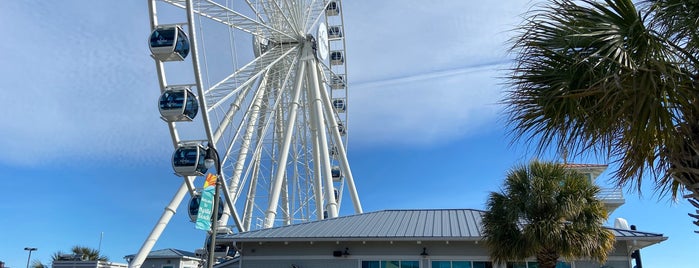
(271, 212)
(342, 152)
(160, 226)
(316, 104)
(252, 190)
(243, 153)
(317, 182)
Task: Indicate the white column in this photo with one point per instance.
(342, 153)
(271, 212)
(316, 105)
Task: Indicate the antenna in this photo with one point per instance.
(99, 248)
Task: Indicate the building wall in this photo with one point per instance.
(87, 264)
(320, 254)
(169, 263)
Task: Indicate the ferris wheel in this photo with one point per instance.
(263, 84)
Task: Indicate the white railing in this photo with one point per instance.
(610, 194)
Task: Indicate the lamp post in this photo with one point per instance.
(30, 254)
(211, 160)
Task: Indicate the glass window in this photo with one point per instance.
(370, 264)
(162, 37)
(562, 264)
(482, 264)
(516, 265)
(461, 264)
(441, 264)
(409, 264)
(390, 264)
(532, 264)
(451, 264)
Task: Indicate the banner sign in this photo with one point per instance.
(206, 204)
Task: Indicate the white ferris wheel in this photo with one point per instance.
(262, 84)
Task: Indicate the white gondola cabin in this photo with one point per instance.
(341, 128)
(188, 160)
(169, 43)
(178, 104)
(339, 105)
(336, 173)
(220, 250)
(337, 82)
(336, 58)
(333, 9)
(334, 32)
(194, 207)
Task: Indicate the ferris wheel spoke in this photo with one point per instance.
(281, 17)
(313, 14)
(254, 10)
(219, 13)
(231, 85)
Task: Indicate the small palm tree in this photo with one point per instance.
(38, 264)
(547, 211)
(87, 253)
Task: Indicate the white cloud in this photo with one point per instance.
(76, 80)
(424, 109)
(388, 39)
(79, 82)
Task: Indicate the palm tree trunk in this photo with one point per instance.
(547, 258)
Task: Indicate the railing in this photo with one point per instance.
(611, 194)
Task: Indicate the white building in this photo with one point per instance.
(169, 258)
(424, 238)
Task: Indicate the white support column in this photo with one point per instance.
(250, 200)
(245, 146)
(159, 227)
(271, 212)
(316, 105)
(342, 153)
(317, 178)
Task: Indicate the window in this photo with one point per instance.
(482, 264)
(451, 264)
(390, 264)
(533, 264)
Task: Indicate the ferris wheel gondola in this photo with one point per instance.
(178, 104)
(189, 159)
(169, 43)
(193, 207)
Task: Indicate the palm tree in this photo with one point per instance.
(613, 80)
(38, 264)
(87, 253)
(547, 211)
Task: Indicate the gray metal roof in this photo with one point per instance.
(167, 253)
(395, 225)
(435, 224)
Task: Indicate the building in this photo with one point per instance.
(169, 258)
(395, 238)
(425, 238)
(86, 264)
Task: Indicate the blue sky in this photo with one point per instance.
(85, 153)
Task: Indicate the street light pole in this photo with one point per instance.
(30, 254)
(211, 160)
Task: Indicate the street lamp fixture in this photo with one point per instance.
(30, 254)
